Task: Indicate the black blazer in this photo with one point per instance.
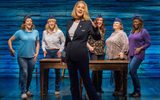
(76, 49)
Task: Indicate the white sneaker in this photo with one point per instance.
(29, 94)
(24, 96)
(57, 93)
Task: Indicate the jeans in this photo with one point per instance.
(53, 54)
(26, 66)
(134, 65)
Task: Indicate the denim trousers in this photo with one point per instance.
(53, 54)
(26, 66)
(134, 65)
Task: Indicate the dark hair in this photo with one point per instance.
(24, 19)
(102, 28)
(140, 25)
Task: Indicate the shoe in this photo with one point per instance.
(117, 93)
(29, 94)
(24, 96)
(57, 92)
(135, 94)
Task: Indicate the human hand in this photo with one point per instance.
(12, 52)
(35, 57)
(44, 53)
(91, 49)
(121, 55)
(138, 50)
(59, 54)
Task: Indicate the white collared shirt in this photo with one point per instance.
(54, 40)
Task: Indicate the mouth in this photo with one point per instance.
(79, 12)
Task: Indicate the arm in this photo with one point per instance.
(125, 45)
(37, 50)
(147, 42)
(93, 30)
(44, 44)
(91, 49)
(62, 39)
(37, 47)
(10, 46)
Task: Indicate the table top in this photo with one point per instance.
(91, 61)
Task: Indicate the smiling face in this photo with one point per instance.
(117, 26)
(51, 23)
(99, 22)
(28, 23)
(79, 10)
(136, 24)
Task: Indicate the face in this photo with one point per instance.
(136, 23)
(117, 25)
(51, 24)
(28, 23)
(80, 9)
(99, 22)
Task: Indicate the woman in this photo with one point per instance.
(117, 47)
(53, 44)
(78, 30)
(96, 48)
(28, 38)
(139, 41)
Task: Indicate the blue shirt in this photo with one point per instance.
(27, 42)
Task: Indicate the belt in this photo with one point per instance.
(53, 49)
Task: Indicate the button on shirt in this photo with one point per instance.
(54, 40)
(27, 42)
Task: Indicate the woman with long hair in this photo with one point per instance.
(96, 48)
(78, 30)
(139, 41)
(28, 38)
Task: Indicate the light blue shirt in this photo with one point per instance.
(27, 42)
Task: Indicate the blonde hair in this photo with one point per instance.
(85, 15)
(47, 28)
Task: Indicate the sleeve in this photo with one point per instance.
(62, 39)
(94, 31)
(43, 41)
(17, 35)
(125, 43)
(37, 38)
(147, 39)
(67, 35)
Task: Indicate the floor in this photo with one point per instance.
(9, 89)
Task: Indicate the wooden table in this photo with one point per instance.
(116, 65)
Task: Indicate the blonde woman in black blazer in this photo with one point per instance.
(78, 30)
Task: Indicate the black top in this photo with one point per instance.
(76, 49)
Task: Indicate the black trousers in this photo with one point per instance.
(118, 81)
(80, 68)
(97, 75)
